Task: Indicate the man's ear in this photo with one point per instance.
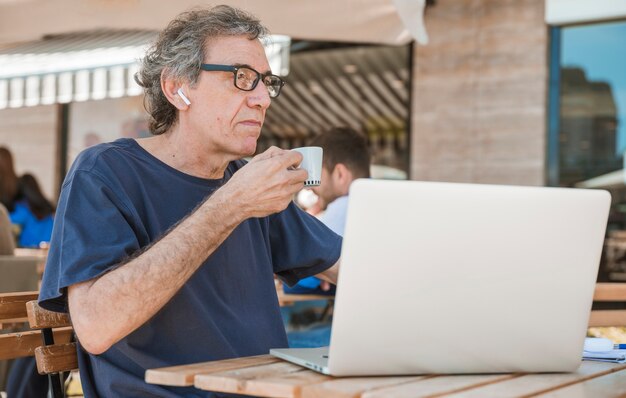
(343, 177)
(170, 89)
(341, 171)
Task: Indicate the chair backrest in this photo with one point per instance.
(56, 354)
(49, 338)
(13, 316)
(609, 293)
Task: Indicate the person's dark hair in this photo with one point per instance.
(31, 193)
(8, 179)
(347, 146)
(179, 51)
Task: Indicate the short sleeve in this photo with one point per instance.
(301, 245)
(92, 233)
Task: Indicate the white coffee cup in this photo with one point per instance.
(312, 163)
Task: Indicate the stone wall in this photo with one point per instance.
(479, 93)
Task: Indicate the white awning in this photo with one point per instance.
(69, 68)
(371, 21)
(87, 66)
(563, 12)
(71, 65)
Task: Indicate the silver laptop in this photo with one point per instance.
(462, 278)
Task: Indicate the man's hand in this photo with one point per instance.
(267, 184)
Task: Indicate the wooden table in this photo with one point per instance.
(266, 376)
(28, 252)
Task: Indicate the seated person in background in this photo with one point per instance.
(7, 242)
(346, 158)
(33, 213)
(8, 179)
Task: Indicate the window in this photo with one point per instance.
(592, 136)
(587, 123)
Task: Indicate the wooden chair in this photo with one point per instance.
(606, 293)
(49, 340)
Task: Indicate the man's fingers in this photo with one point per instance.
(284, 159)
(298, 176)
(268, 154)
(289, 159)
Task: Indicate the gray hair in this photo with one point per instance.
(180, 49)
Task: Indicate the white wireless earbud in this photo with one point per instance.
(183, 96)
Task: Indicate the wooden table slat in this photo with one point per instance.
(351, 387)
(532, 384)
(237, 380)
(437, 386)
(183, 375)
(609, 386)
(23, 344)
(286, 386)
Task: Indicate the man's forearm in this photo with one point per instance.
(106, 309)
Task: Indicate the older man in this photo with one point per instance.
(165, 248)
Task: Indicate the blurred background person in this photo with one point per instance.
(9, 194)
(309, 202)
(33, 213)
(7, 241)
(346, 158)
(8, 180)
(91, 138)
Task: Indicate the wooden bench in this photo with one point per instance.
(49, 338)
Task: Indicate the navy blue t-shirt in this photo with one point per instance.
(118, 199)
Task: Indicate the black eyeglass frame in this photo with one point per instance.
(235, 69)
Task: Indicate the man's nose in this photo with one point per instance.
(259, 97)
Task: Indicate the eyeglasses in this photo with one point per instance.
(246, 78)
